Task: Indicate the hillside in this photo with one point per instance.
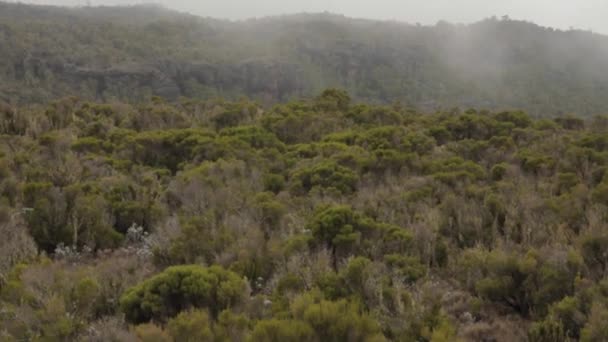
(316, 220)
(131, 54)
(305, 178)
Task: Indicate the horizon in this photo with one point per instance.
(585, 15)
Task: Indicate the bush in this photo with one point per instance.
(498, 171)
(333, 100)
(151, 333)
(274, 183)
(596, 328)
(600, 194)
(529, 283)
(191, 326)
(275, 330)
(408, 268)
(340, 229)
(181, 288)
(593, 250)
(336, 321)
(327, 175)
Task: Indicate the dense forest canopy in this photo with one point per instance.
(305, 178)
(314, 220)
(133, 53)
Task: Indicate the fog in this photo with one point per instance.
(563, 14)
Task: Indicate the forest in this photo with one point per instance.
(301, 178)
(321, 219)
(130, 54)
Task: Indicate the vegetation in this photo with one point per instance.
(130, 54)
(313, 220)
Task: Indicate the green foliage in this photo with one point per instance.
(409, 268)
(290, 283)
(595, 329)
(333, 100)
(325, 175)
(340, 229)
(282, 330)
(498, 171)
(181, 288)
(570, 122)
(270, 211)
(600, 193)
(168, 148)
(593, 250)
(67, 216)
(274, 183)
(47, 222)
(566, 181)
(326, 220)
(280, 58)
(335, 321)
(234, 114)
(547, 331)
(151, 333)
(191, 326)
(456, 171)
(565, 321)
(354, 274)
(524, 283)
(535, 162)
(254, 136)
(518, 119)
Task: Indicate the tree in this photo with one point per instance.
(181, 288)
(340, 229)
(333, 100)
(326, 175)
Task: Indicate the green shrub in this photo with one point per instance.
(191, 326)
(326, 175)
(274, 330)
(340, 229)
(336, 321)
(499, 171)
(180, 288)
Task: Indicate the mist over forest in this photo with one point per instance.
(133, 53)
(299, 178)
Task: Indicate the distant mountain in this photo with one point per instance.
(133, 53)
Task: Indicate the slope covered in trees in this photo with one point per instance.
(316, 220)
(130, 54)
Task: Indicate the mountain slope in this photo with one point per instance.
(132, 53)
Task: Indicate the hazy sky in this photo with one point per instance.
(582, 14)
